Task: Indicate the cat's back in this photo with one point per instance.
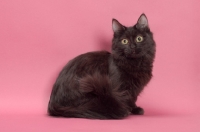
(88, 63)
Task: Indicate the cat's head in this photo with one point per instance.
(133, 42)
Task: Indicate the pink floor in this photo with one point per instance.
(42, 123)
(38, 37)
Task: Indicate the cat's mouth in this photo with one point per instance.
(133, 52)
(136, 51)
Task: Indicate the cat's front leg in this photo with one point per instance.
(137, 111)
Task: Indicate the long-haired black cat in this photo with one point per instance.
(103, 85)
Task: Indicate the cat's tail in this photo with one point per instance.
(102, 100)
(71, 111)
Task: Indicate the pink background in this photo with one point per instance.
(38, 37)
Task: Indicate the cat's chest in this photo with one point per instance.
(135, 73)
(135, 70)
(135, 79)
(134, 83)
(134, 76)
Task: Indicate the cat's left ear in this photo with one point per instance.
(142, 22)
(116, 26)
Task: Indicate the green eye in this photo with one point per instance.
(139, 39)
(124, 41)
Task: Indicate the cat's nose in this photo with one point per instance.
(132, 46)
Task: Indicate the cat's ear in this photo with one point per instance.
(142, 22)
(116, 26)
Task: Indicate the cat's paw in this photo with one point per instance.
(137, 111)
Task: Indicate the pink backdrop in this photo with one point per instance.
(38, 37)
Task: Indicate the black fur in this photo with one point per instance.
(105, 85)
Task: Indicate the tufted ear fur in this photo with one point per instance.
(116, 26)
(142, 22)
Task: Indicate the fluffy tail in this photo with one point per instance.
(102, 100)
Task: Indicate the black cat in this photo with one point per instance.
(105, 85)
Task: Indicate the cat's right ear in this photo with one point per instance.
(116, 26)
